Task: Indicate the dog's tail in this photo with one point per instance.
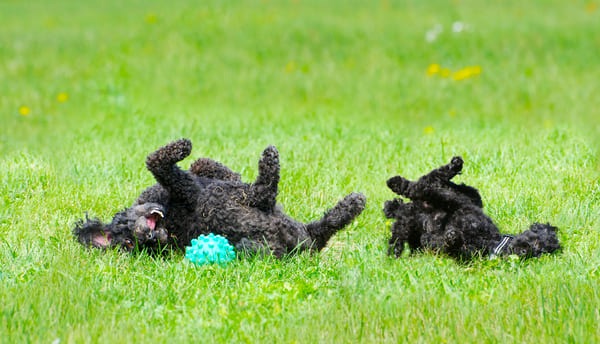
(335, 219)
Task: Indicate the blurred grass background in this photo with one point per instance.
(351, 92)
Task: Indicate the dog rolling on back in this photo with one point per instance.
(210, 198)
(448, 218)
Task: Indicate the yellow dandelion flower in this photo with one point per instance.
(433, 69)
(475, 70)
(591, 7)
(62, 97)
(461, 74)
(24, 110)
(466, 73)
(428, 130)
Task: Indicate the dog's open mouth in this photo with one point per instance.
(152, 219)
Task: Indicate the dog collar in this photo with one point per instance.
(506, 239)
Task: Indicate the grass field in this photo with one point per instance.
(351, 93)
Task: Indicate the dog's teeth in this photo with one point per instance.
(155, 211)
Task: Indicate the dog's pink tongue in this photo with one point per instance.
(151, 222)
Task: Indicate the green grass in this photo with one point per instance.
(341, 88)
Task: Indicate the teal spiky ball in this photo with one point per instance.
(210, 249)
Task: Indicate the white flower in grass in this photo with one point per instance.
(433, 33)
(458, 27)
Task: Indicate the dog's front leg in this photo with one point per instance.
(163, 165)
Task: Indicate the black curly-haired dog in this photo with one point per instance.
(210, 198)
(446, 217)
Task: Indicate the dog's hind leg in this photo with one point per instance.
(446, 172)
(406, 188)
(436, 188)
(208, 168)
(263, 192)
(335, 219)
(163, 165)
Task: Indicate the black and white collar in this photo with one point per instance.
(506, 239)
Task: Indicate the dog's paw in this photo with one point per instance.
(398, 184)
(179, 149)
(456, 164)
(270, 156)
(357, 201)
(390, 208)
(270, 152)
(169, 154)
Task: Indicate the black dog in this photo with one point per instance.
(447, 217)
(210, 198)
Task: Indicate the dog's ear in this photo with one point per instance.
(92, 232)
(543, 229)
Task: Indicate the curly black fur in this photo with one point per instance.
(448, 218)
(210, 198)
